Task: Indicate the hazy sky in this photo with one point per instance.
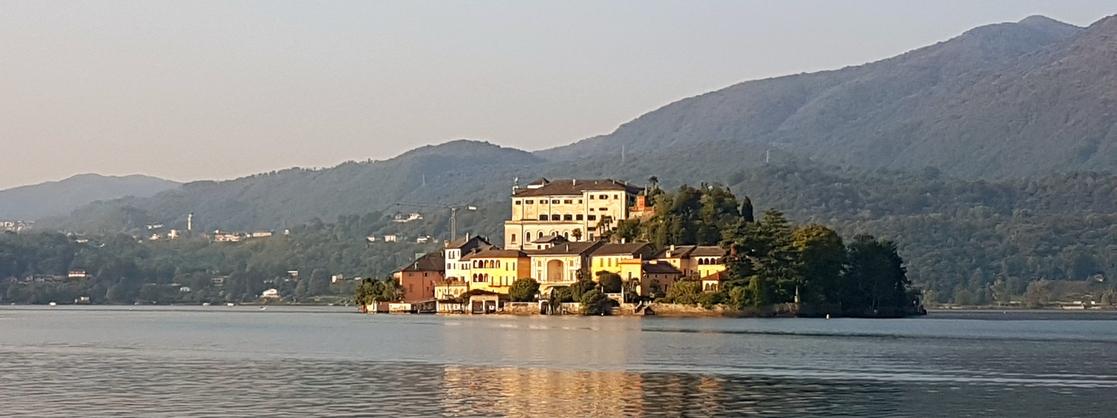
(217, 89)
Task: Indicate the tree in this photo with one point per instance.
(581, 287)
(628, 230)
(523, 290)
(1000, 290)
(822, 258)
(875, 277)
(684, 292)
(746, 210)
(1038, 294)
(764, 250)
(595, 303)
(610, 282)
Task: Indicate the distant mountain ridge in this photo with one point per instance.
(1024, 99)
(57, 198)
(1004, 100)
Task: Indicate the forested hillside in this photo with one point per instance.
(1004, 100)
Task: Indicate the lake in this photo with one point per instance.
(241, 361)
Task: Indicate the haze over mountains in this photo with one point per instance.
(57, 198)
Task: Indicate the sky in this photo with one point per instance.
(190, 90)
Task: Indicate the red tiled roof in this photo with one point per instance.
(430, 262)
(574, 187)
(661, 268)
(632, 248)
(495, 253)
(567, 248)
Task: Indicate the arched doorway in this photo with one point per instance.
(554, 271)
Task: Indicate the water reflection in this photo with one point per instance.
(186, 363)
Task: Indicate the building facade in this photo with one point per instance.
(418, 278)
(577, 210)
(562, 264)
(495, 270)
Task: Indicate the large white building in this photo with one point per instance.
(578, 210)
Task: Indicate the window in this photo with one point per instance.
(568, 202)
(568, 217)
(542, 217)
(603, 209)
(555, 217)
(580, 217)
(513, 238)
(529, 202)
(527, 237)
(554, 201)
(579, 201)
(603, 197)
(516, 202)
(592, 217)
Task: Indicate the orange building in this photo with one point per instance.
(418, 278)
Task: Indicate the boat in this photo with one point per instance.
(230, 304)
(53, 304)
(205, 304)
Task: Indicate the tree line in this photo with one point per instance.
(772, 261)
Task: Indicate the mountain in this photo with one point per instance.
(982, 155)
(1005, 100)
(55, 198)
(457, 172)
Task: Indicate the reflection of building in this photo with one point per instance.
(577, 210)
(270, 294)
(479, 391)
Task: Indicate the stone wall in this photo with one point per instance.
(671, 309)
(521, 308)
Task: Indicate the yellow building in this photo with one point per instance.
(694, 261)
(612, 257)
(656, 277)
(494, 270)
(578, 210)
(563, 264)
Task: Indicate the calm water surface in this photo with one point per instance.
(219, 361)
